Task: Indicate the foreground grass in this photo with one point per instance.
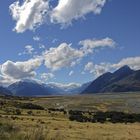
(23, 128)
(10, 131)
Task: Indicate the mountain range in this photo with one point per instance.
(5, 91)
(122, 80)
(33, 88)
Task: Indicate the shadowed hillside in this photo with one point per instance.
(122, 80)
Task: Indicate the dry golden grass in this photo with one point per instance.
(49, 128)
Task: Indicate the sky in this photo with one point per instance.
(67, 41)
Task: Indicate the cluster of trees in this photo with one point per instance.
(28, 106)
(57, 110)
(2, 103)
(11, 97)
(114, 117)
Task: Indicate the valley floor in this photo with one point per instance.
(20, 120)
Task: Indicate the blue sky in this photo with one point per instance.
(109, 29)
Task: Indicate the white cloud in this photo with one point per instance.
(46, 76)
(28, 50)
(91, 44)
(102, 68)
(66, 87)
(68, 10)
(54, 40)
(65, 55)
(96, 69)
(89, 67)
(5, 81)
(41, 46)
(36, 38)
(133, 62)
(29, 15)
(71, 73)
(99, 69)
(62, 56)
(20, 70)
(32, 13)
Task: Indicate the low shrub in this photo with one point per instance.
(114, 117)
(29, 106)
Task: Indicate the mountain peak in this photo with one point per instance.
(124, 69)
(123, 79)
(30, 81)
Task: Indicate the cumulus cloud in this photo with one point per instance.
(20, 70)
(89, 67)
(91, 44)
(46, 76)
(28, 15)
(62, 56)
(65, 55)
(32, 13)
(6, 81)
(133, 62)
(96, 69)
(99, 69)
(68, 10)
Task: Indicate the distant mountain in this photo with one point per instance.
(78, 90)
(28, 88)
(64, 88)
(53, 89)
(32, 88)
(5, 91)
(71, 88)
(122, 80)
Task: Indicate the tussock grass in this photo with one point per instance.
(9, 131)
